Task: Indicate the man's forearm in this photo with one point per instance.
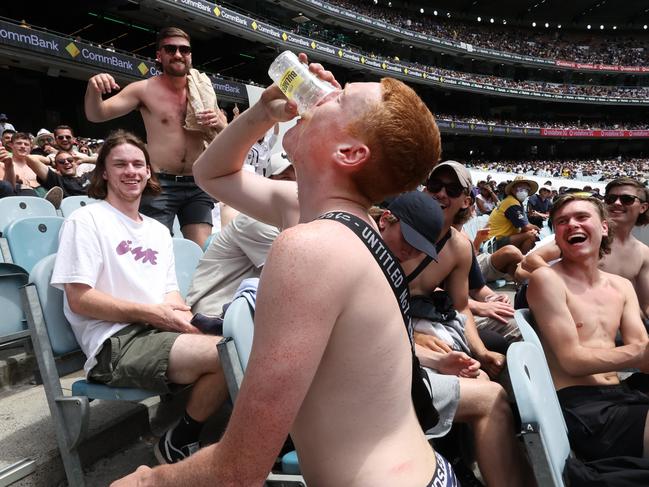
(92, 106)
(471, 332)
(582, 361)
(101, 306)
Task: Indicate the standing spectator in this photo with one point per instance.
(180, 119)
(538, 206)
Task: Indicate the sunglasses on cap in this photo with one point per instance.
(64, 137)
(64, 160)
(172, 48)
(453, 190)
(625, 199)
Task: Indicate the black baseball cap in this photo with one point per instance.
(421, 220)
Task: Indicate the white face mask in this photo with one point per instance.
(521, 194)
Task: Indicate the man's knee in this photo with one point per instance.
(511, 253)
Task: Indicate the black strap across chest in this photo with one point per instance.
(421, 393)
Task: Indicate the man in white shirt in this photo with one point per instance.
(116, 268)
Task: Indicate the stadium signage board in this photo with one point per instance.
(98, 58)
(477, 128)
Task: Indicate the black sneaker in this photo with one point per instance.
(167, 453)
(55, 196)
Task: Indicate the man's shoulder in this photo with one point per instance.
(320, 234)
(461, 246)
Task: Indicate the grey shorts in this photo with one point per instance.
(183, 198)
(489, 272)
(446, 398)
(135, 356)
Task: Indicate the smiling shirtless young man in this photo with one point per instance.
(579, 309)
(162, 101)
(313, 371)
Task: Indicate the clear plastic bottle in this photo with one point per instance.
(297, 82)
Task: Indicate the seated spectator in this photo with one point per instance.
(65, 176)
(44, 143)
(7, 134)
(116, 269)
(486, 200)
(65, 141)
(538, 206)
(238, 252)
(579, 309)
(508, 223)
(459, 394)
(25, 180)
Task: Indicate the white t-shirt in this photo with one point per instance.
(103, 248)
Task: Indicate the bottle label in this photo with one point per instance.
(290, 82)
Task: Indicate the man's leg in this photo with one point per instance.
(506, 259)
(198, 232)
(484, 406)
(524, 241)
(194, 360)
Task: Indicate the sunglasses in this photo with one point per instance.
(625, 199)
(171, 49)
(63, 137)
(453, 190)
(63, 161)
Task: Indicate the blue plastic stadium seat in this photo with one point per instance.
(543, 428)
(524, 322)
(71, 203)
(32, 238)
(14, 207)
(13, 325)
(186, 254)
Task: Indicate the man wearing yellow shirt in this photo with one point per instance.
(508, 222)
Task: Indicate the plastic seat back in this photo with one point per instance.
(60, 333)
(12, 278)
(32, 238)
(524, 322)
(71, 203)
(14, 207)
(543, 426)
(239, 324)
(186, 254)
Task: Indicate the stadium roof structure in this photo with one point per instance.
(624, 14)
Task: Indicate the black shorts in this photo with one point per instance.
(182, 198)
(444, 475)
(605, 421)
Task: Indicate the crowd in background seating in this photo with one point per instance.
(587, 48)
(574, 124)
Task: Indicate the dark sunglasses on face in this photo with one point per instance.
(63, 161)
(453, 190)
(63, 137)
(171, 49)
(625, 199)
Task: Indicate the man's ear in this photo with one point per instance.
(605, 228)
(352, 155)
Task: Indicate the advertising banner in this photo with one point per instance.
(97, 58)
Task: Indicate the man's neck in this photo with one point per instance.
(128, 208)
(315, 202)
(176, 83)
(585, 270)
(622, 231)
(19, 159)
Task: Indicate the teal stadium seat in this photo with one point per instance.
(524, 322)
(71, 203)
(32, 238)
(13, 326)
(234, 352)
(543, 428)
(14, 207)
(186, 254)
(53, 339)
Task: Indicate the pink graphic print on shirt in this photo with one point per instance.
(148, 255)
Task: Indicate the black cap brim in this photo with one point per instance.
(417, 240)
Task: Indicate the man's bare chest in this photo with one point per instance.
(169, 111)
(623, 261)
(596, 313)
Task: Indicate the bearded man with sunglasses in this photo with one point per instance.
(163, 101)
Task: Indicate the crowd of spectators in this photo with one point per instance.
(588, 48)
(571, 125)
(585, 170)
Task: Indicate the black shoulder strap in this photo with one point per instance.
(428, 259)
(421, 390)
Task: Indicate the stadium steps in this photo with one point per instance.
(26, 430)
